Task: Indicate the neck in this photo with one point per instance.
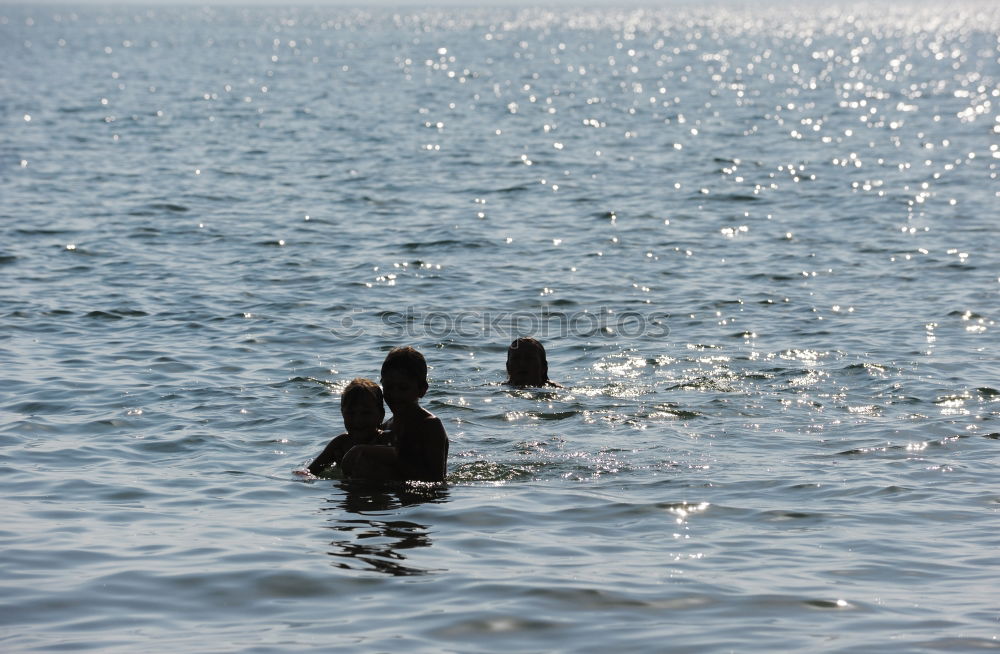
(406, 409)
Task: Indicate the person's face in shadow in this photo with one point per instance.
(400, 389)
(362, 415)
(525, 367)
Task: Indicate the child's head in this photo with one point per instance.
(526, 363)
(361, 406)
(404, 376)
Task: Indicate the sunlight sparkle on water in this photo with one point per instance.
(807, 192)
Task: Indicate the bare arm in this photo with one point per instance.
(332, 454)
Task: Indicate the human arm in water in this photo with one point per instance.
(332, 454)
(419, 453)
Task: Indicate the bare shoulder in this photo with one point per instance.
(433, 427)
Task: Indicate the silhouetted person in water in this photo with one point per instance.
(418, 449)
(361, 407)
(527, 365)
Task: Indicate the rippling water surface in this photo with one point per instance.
(759, 243)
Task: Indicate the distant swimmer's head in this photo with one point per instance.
(404, 377)
(361, 406)
(526, 363)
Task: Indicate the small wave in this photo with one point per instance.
(40, 408)
(322, 386)
(782, 516)
(189, 443)
(516, 188)
(608, 214)
(906, 449)
(41, 231)
(670, 411)
(490, 471)
(145, 233)
(966, 315)
(838, 605)
(704, 384)
(169, 206)
(115, 314)
(444, 243)
(731, 197)
(557, 415)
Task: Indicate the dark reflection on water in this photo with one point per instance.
(368, 543)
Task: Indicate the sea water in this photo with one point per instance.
(759, 243)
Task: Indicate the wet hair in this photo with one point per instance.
(408, 361)
(532, 345)
(359, 388)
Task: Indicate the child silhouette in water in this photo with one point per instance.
(527, 365)
(361, 407)
(418, 449)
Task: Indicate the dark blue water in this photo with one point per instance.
(758, 243)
